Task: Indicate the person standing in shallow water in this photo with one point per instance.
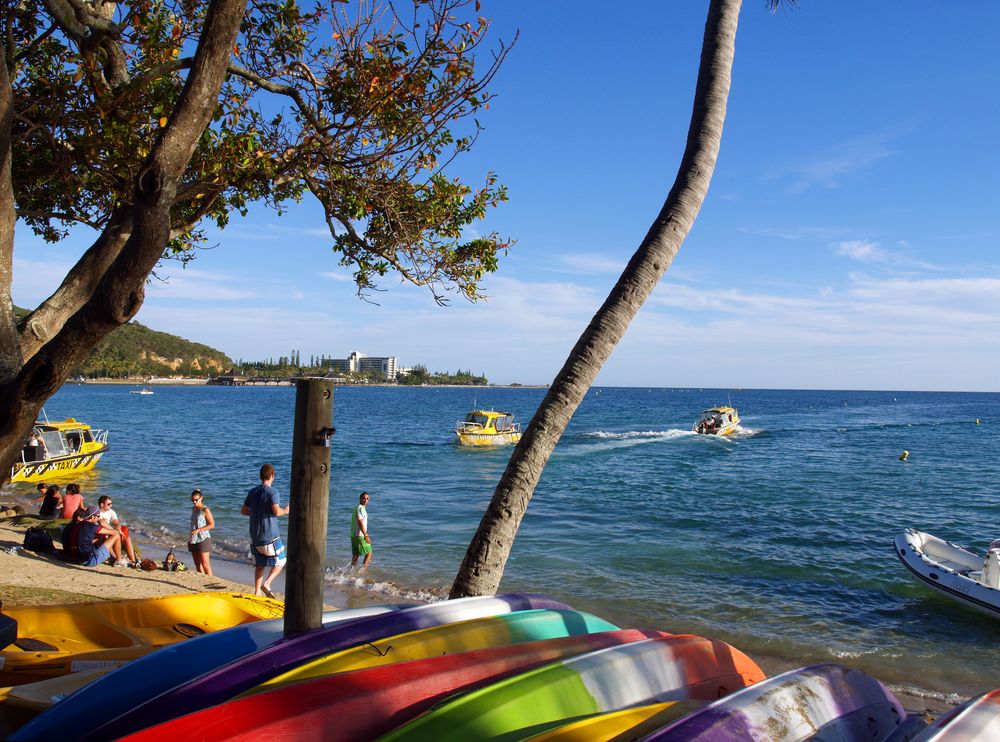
(200, 540)
(361, 543)
(263, 507)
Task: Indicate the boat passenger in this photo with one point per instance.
(35, 449)
(52, 502)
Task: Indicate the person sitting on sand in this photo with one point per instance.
(70, 553)
(95, 542)
(52, 502)
(72, 501)
(109, 519)
(41, 487)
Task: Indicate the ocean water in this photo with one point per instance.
(777, 540)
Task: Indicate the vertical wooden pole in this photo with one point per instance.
(309, 499)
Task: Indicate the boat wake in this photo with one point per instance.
(607, 441)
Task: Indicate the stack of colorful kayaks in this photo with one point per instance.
(508, 667)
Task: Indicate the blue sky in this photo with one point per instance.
(849, 240)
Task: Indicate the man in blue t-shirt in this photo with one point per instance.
(263, 506)
(94, 541)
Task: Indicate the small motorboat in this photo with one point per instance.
(953, 571)
(146, 390)
(718, 421)
(487, 428)
(58, 450)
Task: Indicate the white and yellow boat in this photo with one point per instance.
(70, 447)
(488, 428)
(718, 421)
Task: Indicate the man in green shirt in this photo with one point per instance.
(361, 543)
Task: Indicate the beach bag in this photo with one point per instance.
(39, 541)
(149, 565)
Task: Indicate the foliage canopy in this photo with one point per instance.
(349, 102)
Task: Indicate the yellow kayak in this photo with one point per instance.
(61, 639)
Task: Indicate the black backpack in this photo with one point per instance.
(39, 541)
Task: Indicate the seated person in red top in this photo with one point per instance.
(72, 501)
(94, 541)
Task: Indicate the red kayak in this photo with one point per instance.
(365, 704)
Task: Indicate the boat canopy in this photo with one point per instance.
(502, 421)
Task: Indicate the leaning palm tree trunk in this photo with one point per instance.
(487, 555)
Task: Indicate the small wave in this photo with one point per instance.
(345, 577)
(952, 699)
(869, 652)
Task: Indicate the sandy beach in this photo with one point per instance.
(37, 579)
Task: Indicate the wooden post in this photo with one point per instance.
(309, 502)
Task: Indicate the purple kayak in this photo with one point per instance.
(227, 681)
(822, 702)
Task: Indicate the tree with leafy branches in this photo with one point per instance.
(144, 121)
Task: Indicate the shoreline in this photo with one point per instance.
(24, 572)
(197, 381)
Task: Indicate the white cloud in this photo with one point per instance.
(176, 283)
(862, 251)
(831, 168)
(336, 276)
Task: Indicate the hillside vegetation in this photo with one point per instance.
(136, 350)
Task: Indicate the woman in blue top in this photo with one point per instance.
(200, 540)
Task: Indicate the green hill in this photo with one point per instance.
(136, 350)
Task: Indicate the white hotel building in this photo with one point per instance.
(356, 362)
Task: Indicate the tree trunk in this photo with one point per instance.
(10, 356)
(482, 568)
(121, 290)
(49, 317)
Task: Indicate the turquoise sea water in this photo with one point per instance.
(778, 540)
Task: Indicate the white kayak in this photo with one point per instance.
(953, 571)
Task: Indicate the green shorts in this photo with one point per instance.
(360, 547)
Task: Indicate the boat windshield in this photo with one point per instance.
(55, 444)
(477, 419)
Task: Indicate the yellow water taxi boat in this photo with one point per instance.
(718, 421)
(57, 450)
(487, 428)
